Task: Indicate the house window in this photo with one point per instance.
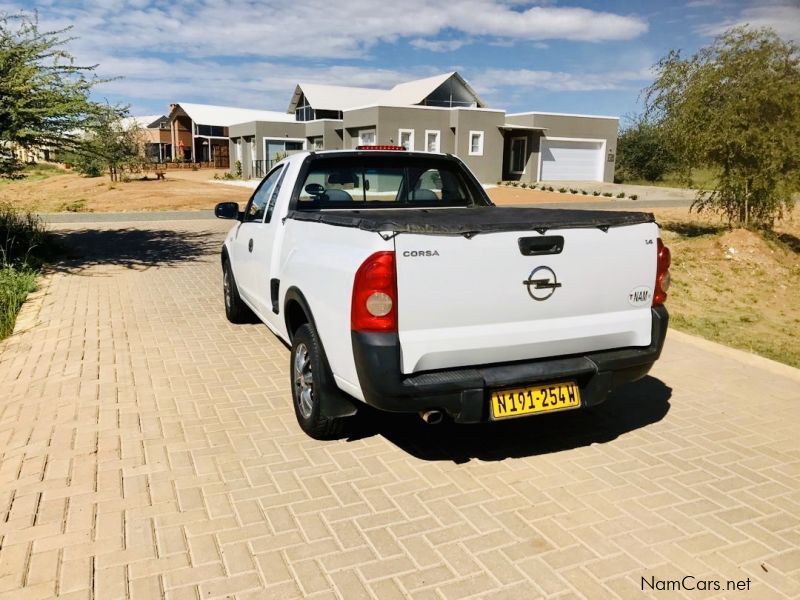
(303, 112)
(366, 137)
(432, 140)
(405, 138)
(276, 149)
(476, 143)
(210, 130)
(317, 143)
(519, 155)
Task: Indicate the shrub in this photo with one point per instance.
(621, 195)
(573, 191)
(550, 188)
(24, 245)
(633, 197)
(562, 190)
(523, 185)
(75, 206)
(584, 192)
(499, 183)
(238, 167)
(607, 194)
(15, 285)
(595, 193)
(22, 237)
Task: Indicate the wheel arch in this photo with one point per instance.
(296, 311)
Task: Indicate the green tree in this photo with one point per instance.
(114, 140)
(44, 95)
(734, 106)
(643, 152)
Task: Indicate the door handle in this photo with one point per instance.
(537, 246)
(250, 245)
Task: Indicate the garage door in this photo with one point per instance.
(566, 160)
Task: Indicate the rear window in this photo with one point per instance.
(399, 181)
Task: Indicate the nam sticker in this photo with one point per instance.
(640, 296)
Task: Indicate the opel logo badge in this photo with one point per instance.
(541, 283)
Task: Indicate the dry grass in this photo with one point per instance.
(72, 192)
(737, 287)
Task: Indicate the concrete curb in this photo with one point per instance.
(28, 316)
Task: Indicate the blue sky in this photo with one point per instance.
(589, 57)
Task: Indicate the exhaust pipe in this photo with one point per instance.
(431, 417)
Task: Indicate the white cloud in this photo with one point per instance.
(249, 84)
(438, 45)
(491, 80)
(319, 28)
(783, 18)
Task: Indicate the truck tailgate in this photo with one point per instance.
(510, 295)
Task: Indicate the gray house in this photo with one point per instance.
(437, 114)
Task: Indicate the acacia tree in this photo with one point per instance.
(112, 142)
(734, 106)
(44, 95)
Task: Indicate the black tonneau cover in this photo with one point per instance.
(471, 221)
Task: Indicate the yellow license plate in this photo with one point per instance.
(519, 402)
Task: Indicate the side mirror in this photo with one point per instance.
(226, 210)
(314, 189)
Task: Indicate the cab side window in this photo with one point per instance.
(274, 197)
(260, 201)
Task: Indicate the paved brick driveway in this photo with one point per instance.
(148, 448)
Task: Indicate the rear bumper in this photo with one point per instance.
(463, 392)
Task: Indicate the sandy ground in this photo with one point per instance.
(735, 286)
(182, 190)
(503, 195)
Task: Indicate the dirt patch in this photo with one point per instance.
(735, 286)
(97, 194)
(503, 195)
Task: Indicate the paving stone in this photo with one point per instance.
(149, 448)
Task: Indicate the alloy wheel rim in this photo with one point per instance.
(303, 381)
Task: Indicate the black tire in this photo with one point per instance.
(321, 388)
(235, 308)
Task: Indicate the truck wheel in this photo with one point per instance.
(313, 386)
(235, 308)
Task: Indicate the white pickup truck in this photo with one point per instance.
(397, 282)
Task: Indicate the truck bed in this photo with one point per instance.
(471, 221)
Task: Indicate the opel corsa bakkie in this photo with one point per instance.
(396, 282)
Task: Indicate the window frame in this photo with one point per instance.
(361, 132)
(255, 193)
(400, 133)
(438, 133)
(524, 154)
(479, 151)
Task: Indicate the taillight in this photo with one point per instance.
(663, 260)
(374, 306)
